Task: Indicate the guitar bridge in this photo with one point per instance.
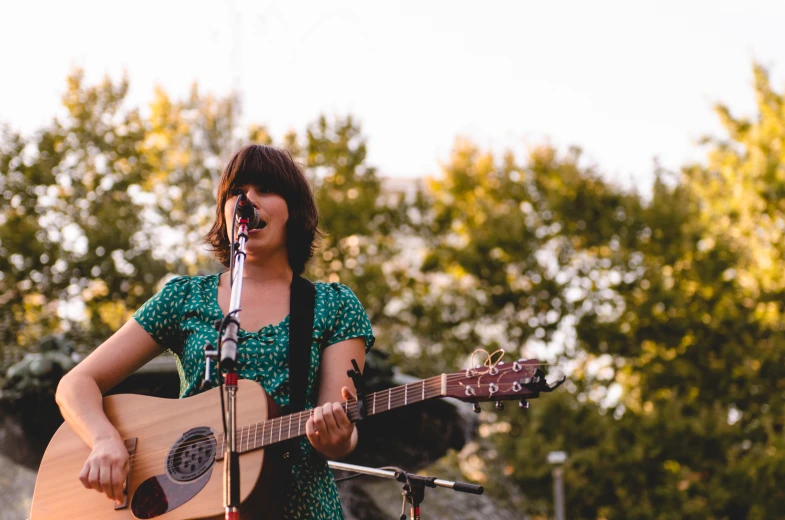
(130, 445)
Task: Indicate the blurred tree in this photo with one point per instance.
(363, 223)
(516, 252)
(668, 310)
(102, 205)
(185, 145)
(70, 236)
(695, 346)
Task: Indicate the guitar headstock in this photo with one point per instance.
(522, 379)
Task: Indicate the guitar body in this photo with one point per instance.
(156, 425)
(176, 445)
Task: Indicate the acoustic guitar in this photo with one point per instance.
(176, 446)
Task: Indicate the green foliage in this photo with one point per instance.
(186, 144)
(666, 310)
(69, 234)
(695, 346)
(362, 223)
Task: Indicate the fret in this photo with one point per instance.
(429, 388)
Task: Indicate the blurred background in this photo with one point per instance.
(599, 185)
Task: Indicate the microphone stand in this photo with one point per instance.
(228, 354)
(413, 487)
(228, 362)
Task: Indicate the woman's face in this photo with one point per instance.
(272, 209)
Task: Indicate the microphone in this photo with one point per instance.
(247, 210)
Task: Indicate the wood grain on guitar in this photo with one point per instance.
(174, 444)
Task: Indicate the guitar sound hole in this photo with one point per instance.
(191, 455)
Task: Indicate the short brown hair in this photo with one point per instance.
(274, 170)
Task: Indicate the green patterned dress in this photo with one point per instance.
(180, 318)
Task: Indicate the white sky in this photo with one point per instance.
(626, 81)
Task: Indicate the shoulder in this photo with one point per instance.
(333, 292)
(186, 283)
(179, 290)
(337, 300)
(341, 311)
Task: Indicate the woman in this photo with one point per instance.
(279, 191)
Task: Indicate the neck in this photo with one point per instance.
(272, 431)
(267, 270)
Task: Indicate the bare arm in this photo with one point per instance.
(79, 396)
(330, 430)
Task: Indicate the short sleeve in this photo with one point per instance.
(160, 315)
(351, 320)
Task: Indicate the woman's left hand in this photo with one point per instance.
(329, 429)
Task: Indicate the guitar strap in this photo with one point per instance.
(301, 311)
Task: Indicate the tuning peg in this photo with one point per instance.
(523, 404)
(499, 405)
(476, 407)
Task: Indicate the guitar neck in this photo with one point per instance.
(273, 431)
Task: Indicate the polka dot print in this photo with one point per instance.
(181, 317)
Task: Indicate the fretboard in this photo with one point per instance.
(272, 431)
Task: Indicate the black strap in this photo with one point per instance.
(301, 309)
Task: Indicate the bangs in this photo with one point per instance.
(268, 182)
(267, 169)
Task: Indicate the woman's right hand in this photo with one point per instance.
(106, 468)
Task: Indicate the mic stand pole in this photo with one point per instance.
(228, 351)
(414, 485)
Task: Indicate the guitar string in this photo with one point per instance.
(394, 400)
(138, 459)
(271, 427)
(393, 394)
(147, 460)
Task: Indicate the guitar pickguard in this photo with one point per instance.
(188, 469)
(158, 495)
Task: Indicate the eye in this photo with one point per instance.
(235, 192)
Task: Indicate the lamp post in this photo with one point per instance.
(557, 460)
